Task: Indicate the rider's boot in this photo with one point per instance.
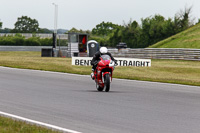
(92, 74)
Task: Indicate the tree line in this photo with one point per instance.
(151, 30)
(19, 40)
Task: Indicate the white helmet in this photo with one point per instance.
(103, 50)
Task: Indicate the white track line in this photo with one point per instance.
(38, 123)
(51, 72)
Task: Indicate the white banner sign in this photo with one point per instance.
(86, 61)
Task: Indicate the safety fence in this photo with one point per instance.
(158, 53)
(147, 53)
(28, 35)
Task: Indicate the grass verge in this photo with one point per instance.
(8, 125)
(168, 71)
(186, 39)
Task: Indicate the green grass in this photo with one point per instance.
(8, 125)
(189, 38)
(168, 71)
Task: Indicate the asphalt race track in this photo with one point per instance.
(72, 102)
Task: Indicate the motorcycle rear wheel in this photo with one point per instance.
(107, 82)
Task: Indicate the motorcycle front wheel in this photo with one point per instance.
(107, 82)
(98, 87)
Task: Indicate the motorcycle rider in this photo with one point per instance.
(96, 58)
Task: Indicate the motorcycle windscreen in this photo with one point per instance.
(105, 57)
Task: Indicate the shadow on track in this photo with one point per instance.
(95, 91)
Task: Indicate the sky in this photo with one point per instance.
(86, 14)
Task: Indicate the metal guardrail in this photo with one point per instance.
(147, 53)
(158, 53)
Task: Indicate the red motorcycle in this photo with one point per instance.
(103, 73)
